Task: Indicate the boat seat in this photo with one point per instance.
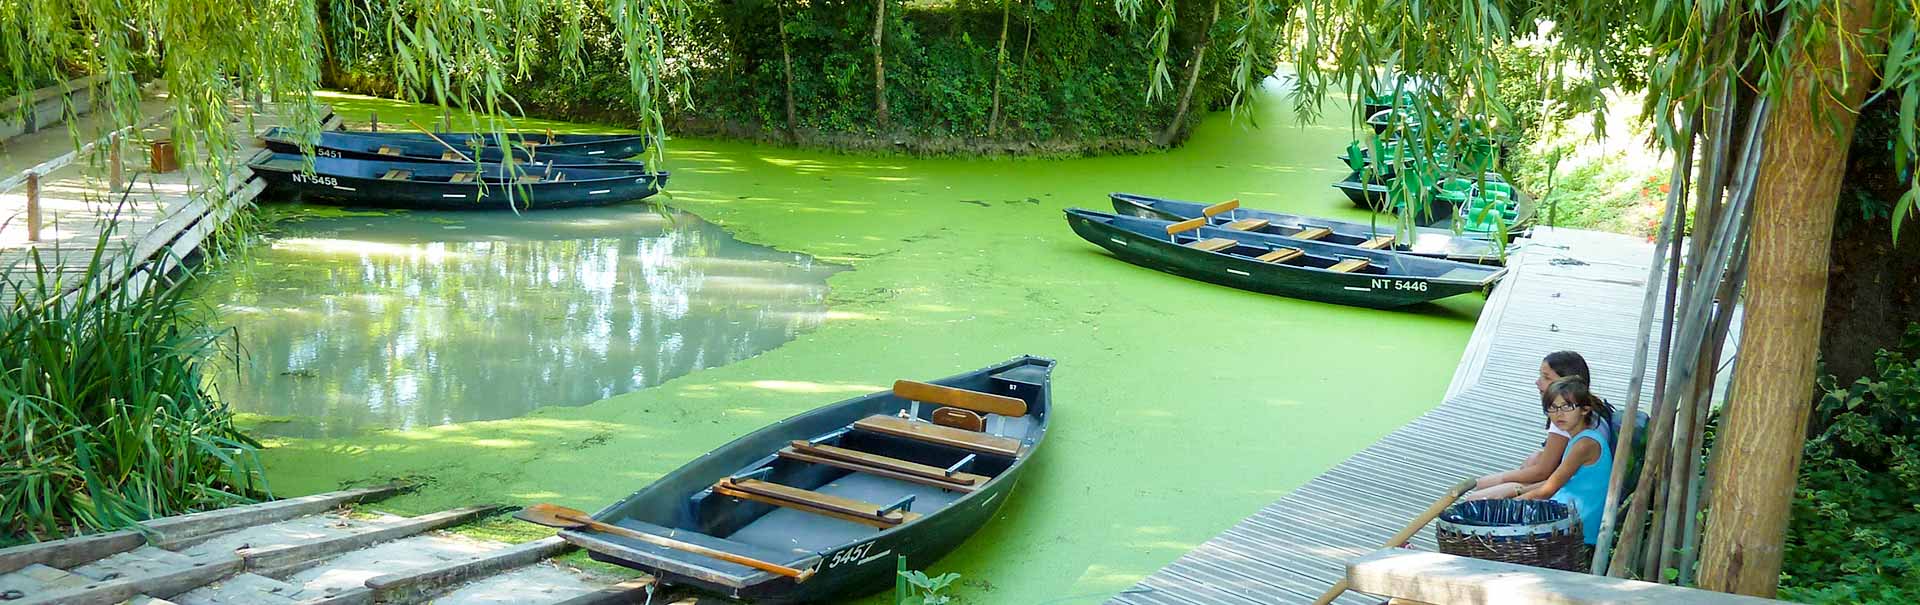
(529, 178)
(985, 403)
(1186, 225)
(397, 174)
(385, 150)
(1220, 208)
(884, 466)
(1377, 243)
(464, 177)
(1313, 233)
(939, 435)
(959, 419)
(1248, 224)
(450, 155)
(1213, 244)
(1280, 256)
(809, 501)
(1350, 265)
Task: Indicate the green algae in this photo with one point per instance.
(1181, 407)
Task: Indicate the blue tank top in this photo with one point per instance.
(1586, 490)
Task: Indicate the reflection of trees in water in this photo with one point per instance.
(444, 332)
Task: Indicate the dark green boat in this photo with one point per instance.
(1429, 242)
(836, 493)
(1260, 262)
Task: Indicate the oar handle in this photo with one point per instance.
(1439, 506)
(798, 575)
(436, 139)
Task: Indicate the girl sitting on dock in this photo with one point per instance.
(1581, 480)
(1539, 466)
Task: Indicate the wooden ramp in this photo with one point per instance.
(1564, 289)
(309, 550)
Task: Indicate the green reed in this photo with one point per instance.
(109, 418)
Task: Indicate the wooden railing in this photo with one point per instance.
(1411, 576)
(30, 177)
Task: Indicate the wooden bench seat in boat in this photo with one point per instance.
(1348, 266)
(1280, 256)
(1313, 233)
(884, 466)
(464, 177)
(1220, 208)
(385, 150)
(939, 435)
(529, 178)
(1215, 244)
(1377, 243)
(1248, 224)
(809, 501)
(985, 403)
(397, 174)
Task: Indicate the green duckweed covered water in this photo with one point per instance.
(1181, 407)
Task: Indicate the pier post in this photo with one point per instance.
(33, 206)
(374, 119)
(113, 161)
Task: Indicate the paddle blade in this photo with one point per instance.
(551, 515)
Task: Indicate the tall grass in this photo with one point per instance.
(109, 418)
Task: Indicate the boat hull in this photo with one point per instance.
(328, 183)
(1431, 243)
(846, 569)
(360, 146)
(1355, 289)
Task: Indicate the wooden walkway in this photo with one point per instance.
(163, 216)
(1566, 290)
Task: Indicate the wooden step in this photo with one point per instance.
(417, 585)
(939, 435)
(847, 509)
(283, 559)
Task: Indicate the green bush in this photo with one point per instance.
(108, 418)
(1855, 536)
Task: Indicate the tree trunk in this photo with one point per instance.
(999, 67)
(786, 58)
(879, 63)
(1193, 79)
(1795, 194)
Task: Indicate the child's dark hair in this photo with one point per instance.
(1574, 390)
(1567, 364)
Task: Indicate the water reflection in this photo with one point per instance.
(408, 320)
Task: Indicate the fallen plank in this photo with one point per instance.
(417, 586)
(277, 561)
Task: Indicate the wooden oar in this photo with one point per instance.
(437, 140)
(1439, 506)
(553, 515)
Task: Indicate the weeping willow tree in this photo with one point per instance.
(107, 421)
(1756, 101)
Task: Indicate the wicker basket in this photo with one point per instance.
(1541, 533)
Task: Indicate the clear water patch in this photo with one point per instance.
(346, 321)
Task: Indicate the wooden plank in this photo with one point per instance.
(1438, 578)
(273, 561)
(790, 454)
(937, 475)
(1213, 244)
(1348, 266)
(1280, 256)
(1247, 224)
(939, 435)
(985, 403)
(1220, 208)
(185, 530)
(1313, 233)
(71, 552)
(1187, 225)
(847, 509)
(160, 585)
(417, 586)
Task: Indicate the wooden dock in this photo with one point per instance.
(59, 203)
(308, 551)
(1566, 289)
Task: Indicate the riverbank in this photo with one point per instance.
(1182, 406)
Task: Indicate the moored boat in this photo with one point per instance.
(384, 147)
(608, 146)
(1306, 269)
(426, 186)
(1427, 242)
(1362, 192)
(817, 506)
